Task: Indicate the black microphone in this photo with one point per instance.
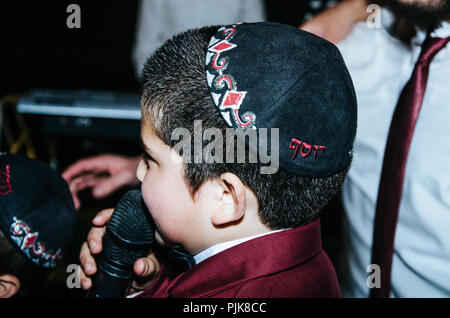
(129, 236)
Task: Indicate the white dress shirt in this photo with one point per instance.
(159, 20)
(380, 66)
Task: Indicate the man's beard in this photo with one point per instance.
(425, 16)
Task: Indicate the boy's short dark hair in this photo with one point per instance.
(175, 94)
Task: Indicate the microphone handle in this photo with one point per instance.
(105, 285)
(112, 279)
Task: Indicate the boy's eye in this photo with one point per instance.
(147, 158)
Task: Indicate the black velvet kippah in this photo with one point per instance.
(36, 209)
(270, 75)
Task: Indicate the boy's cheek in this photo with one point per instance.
(151, 195)
(155, 203)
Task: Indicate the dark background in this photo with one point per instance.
(39, 51)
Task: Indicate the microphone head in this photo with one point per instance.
(129, 233)
(131, 222)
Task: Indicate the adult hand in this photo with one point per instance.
(105, 174)
(335, 23)
(145, 269)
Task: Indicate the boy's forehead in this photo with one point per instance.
(148, 135)
(150, 140)
(148, 127)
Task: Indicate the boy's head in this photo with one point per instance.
(37, 221)
(261, 75)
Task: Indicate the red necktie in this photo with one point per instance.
(394, 164)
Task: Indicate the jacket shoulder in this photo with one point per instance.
(313, 279)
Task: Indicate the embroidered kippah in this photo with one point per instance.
(36, 209)
(270, 75)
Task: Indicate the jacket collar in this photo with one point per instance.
(255, 258)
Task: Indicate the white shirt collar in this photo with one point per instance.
(416, 43)
(442, 32)
(215, 249)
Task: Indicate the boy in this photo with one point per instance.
(37, 222)
(251, 234)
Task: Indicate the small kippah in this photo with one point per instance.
(270, 75)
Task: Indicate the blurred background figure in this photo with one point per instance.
(397, 211)
(159, 20)
(336, 22)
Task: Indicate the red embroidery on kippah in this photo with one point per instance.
(5, 181)
(248, 115)
(223, 46)
(321, 148)
(308, 147)
(219, 64)
(223, 85)
(226, 79)
(230, 32)
(295, 145)
(232, 99)
(29, 243)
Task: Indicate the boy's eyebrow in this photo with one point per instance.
(147, 152)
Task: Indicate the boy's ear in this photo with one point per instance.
(9, 285)
(232, 200)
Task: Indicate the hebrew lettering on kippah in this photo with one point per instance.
(5, 181)
(305, 149)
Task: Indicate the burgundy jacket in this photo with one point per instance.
(285, 264)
